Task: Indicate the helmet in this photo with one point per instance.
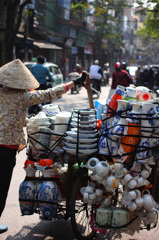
(123, 64)
(96, 62)
(77, 65)
(146, 68)
(117, 65)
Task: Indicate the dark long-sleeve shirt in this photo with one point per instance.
(120, 78)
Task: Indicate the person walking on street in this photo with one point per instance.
(145, 77)
(120, 77)
(96, 74)
(15, 98)
(138, 76)
(40, 72)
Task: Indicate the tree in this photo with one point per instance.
(151, 22)
(10, 19)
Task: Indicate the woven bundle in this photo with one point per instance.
(16, 75)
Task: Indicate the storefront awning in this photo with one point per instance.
(46, 45)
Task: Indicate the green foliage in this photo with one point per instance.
(151, 23)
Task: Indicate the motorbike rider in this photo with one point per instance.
(96, 74)
(15, 98)
(120, 77)
(106, 72)
(40, 72)
(77, 69)
(124, 67)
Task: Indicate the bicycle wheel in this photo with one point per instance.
(81, 212)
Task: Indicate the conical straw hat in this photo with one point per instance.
(16, 75)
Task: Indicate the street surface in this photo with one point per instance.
(31, 227)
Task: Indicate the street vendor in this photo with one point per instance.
(15, 98)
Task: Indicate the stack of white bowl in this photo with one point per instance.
(83, 136)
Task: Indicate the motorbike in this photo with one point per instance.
(95, 86)
(74, 75)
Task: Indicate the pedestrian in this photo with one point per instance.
(145, 77)
(138, 76)
(40, 72)
(96, 74)
(120, 77)
(15, 98)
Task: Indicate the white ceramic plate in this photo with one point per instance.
(75, 124)
(84, 121)
(81, 135)
(81, 140)
(74, 145)
(84, 130)
(87, 117)
(80, 151)
(84, 111)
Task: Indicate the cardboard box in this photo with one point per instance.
(100, 106)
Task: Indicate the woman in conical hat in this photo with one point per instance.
(15, 98)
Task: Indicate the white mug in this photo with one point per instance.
(92, 196)
(99, 191)
(112, 181)
(131, 184)
(116, 167)
(132, 206)
(139, 202)
(149, 202)
(132, 195)
(85, 196)
(127, 178)
(125, 171)
(83, 190)
(140, 181)
(119, 174)
(145, 173)
(126, 200)
(90, 188)
(138, 193)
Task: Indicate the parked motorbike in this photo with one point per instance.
(74, 75)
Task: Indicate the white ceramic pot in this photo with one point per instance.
(102, 168)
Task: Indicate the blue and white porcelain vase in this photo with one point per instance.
(27, 192)
(47, 195)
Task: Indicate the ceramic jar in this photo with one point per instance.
(120, 218)
(113, 104)
(147, 111)
(143, 94)
(130, 93)
(27, 191)
(47, 194)
(104, 217)
(122, 105)
(144, 151)
(133, 116)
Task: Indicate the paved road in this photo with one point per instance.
(31, 227)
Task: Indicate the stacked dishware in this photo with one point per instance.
(82, 139)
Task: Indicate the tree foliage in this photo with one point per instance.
(151, 22)
(11, 15)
